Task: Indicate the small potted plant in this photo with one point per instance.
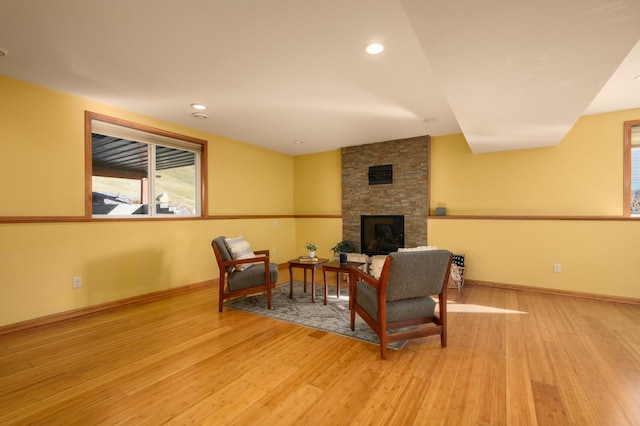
(344, 246)
(312, 247)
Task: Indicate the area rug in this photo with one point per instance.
(333, 317)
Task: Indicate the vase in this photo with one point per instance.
(312, 253)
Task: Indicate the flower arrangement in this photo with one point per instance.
(311, 246)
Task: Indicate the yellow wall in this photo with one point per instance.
(317, 191)
(247, 180)
(325, 232)
(317, 183)
(115, 259)
(582, 176)
(42, 161)
(42, 174)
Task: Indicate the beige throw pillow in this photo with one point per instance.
(359, 257)
(377, 262)
(239, 249)
(419, 248)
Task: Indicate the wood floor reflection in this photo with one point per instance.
(513, 357)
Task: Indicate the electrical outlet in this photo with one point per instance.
(77, 282)
(273, 250)
(557, 267)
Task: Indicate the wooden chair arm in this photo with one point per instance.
(355, 274)
(262, 258)
(263, 252)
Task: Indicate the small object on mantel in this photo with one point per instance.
(441, 211)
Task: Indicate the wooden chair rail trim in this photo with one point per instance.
(528, 217)
(56, 219)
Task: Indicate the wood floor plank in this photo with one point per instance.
(548, 404)
(513, 358)
(520, 403)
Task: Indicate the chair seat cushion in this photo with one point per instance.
(253, 276)
(417, 307)
(399, 310)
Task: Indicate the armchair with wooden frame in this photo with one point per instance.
(402, 296)
(260, 276)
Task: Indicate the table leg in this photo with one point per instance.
(313, 285)
(305, 279)
(324, 273)
(290, 282)
(338, 285)
(352, 291)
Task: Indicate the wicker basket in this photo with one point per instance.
(456, 276)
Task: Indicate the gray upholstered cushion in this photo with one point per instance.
(399, 310)
(224, 251)
(417, 273)
(253, 276)
(413, 278)
(366, 298)
(417, 307)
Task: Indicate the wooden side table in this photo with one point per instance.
(305, 265)
(338, 268)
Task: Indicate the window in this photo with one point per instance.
(631, 169)
(138, 171)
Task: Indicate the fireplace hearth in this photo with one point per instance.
(381, 234)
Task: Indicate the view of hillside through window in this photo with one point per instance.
(175, 191)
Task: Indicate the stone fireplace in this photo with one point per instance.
(403, 191)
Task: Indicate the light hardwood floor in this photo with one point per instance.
(514, 358)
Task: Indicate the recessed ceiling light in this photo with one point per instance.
(198, 106)
(374, 48)
(298, 142)
(200, 115)
(638, 77)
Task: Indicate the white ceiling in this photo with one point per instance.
(509, 74)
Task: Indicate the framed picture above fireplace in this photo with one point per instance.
(381, 234)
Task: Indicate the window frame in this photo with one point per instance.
(626, 167)
(201, 170)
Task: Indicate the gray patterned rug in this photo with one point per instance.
(332, 317)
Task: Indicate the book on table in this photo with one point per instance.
(307, 259)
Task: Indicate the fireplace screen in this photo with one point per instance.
(381, 234)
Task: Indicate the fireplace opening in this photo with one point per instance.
(381, 234)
